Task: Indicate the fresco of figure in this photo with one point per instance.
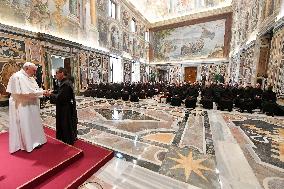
(114, 37)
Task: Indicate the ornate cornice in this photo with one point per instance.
(17, 31)
(193, 62)
(203, 14)
(51, 40)
(267, 25)
(278, 25)
(57, 40)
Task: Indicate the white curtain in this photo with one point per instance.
(117, 72)
(135, 72)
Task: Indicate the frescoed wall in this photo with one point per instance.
(165, 9)
(198, 41)
(275, 73)
(83, 21)
(36, 30)
(133, 43)
(61, 18)
(253, 52)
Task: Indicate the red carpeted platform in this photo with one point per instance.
(26, 170)
(76, 173)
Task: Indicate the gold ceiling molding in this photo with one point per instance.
(203, 14)
(136, 11)
(193, 61)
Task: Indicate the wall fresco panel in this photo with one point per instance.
(204, 40)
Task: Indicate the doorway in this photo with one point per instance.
(190, 74)
(57, 62)
(162, 75)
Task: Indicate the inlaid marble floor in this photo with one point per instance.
(160, 146)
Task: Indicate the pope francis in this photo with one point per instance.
(25, 125)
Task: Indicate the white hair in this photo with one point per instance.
(29, 64)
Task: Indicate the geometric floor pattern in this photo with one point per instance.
(160, 146)
(262, 140)
(171, 141)
(265, 135)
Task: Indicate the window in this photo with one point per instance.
(147, 36)
(133, 25)
(112, 9)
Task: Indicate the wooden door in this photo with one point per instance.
(190, 74)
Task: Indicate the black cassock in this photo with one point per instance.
(66, 114)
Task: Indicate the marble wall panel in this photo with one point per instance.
(175, 74)
(84, 69)
(105, 68)
(234, 68)
(209, 71)
(7, 68)
(143, 73)
(127, 69)
(276, 63)
(248, 72)
(95, 71)
(34, 51)
(12, 47)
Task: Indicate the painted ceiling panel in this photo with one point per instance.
(159, 10)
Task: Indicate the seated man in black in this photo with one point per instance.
(125, 95)
(191, 98)
(226, 98)
(238, 92)
(207, 96)
(269, 101)
(134, 97)
(246, 101)
(176, 100)
(257, 96)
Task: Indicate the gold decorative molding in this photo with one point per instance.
(211, 12)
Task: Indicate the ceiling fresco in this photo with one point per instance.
(159, 10)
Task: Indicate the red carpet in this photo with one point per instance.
(75, 174)
(29, 169)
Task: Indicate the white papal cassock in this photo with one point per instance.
(25, 125)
